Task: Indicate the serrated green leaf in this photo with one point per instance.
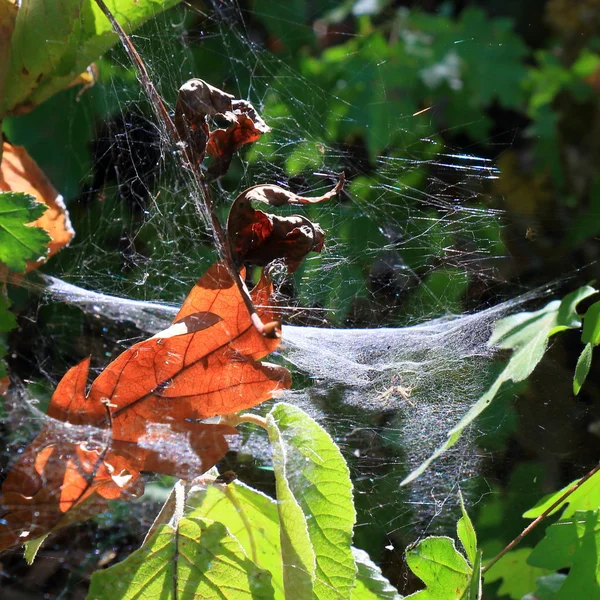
(444, 570)
(251, 517)
(583, 367)
(586, 497)
(20, 242)
(518, 577)
(526, 334)
(591, 325)
(370, 583)
(466, 533)
(312, 476)
(79, 32)
(573, 544)
(197, 561)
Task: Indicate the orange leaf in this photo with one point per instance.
(144, 412)
(20, 173)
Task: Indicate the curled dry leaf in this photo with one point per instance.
(246, 127)
(144, 412)
(20, 173)
(198, 100)
(259, 238)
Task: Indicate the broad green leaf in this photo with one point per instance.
(526, 334)
(586, 497)
(198, 560)
(370, 583)
(251, 517)
(583, 367)
(314, 495)
(54, 42)
(466, 533)
(591, 325)
(573, 544)
(518, 577)
(8, 17)
(20, 242)
(444, 570)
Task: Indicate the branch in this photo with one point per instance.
(539, 519)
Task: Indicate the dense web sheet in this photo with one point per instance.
(389, 326)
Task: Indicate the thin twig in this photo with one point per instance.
(165, 118)
(539, 519)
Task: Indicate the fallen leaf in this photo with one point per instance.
(259, 238)
(20, 173)
(144, 412)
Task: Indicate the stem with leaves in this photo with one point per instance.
(164, 118)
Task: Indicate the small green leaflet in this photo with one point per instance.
(314, 500)
(573, 544)
(590, 336)
(447, 574)
(198, 560)
(20, 242)
(526, 334)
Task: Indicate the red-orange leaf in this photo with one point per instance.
(144, 411)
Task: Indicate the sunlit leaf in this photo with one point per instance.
(196, 561)
(80, 33)
(591, 325)
(370, 583)
(583, 367)
(20, 242)
(314, 496)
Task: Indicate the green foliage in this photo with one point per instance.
(526, 334)
(518, 576)
(573, 543)
(80, 34)
(196, 559)
(18, 241)
(590, 336)
(314, 494)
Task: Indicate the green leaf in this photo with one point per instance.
(547, 587)
(526, 334)
(591, 325)
(314, 500)
(18, 241)
(251, 517)
(8, 321)
(79, 34)
(474, 591)
(583, 367)
(444, 570)
(573, 544)
(370, 583)
(32, 547)
(198, 560)
(586, 497)
(518, 576)
(466, 533)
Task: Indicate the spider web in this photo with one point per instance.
(386, 331)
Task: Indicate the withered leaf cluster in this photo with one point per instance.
(148, 409)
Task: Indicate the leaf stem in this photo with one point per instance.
(165, 119)
(235, 420)
(539, 519)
